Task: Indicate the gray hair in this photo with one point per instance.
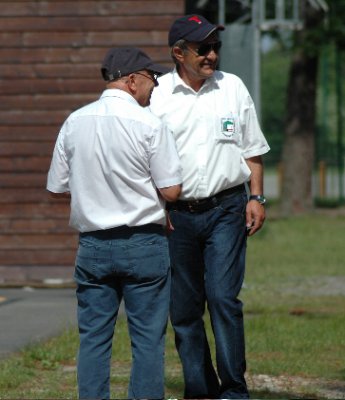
(181, 44)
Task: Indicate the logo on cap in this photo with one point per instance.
(195, 18)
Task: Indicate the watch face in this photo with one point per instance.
(262, 200)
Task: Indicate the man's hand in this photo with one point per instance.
(255, 216)
(169, 225)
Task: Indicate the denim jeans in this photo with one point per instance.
(207, 251)
(132, 264)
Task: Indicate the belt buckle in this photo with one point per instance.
(191, 206)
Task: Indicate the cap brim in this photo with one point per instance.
(202, 34)
(159, 69)
(215, 29)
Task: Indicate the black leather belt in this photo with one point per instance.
(203, 204)
(123, 231)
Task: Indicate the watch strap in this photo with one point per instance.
(260, 198)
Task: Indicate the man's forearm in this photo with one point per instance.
(66, 195)
(256, 180)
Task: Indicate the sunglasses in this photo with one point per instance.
(152, 76)
(205, 48)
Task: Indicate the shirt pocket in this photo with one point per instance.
(228, 129)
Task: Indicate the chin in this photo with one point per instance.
(208, 73)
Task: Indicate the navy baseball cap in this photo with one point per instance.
(192, 27)
(123, 61)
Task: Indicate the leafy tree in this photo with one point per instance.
(299, 143)
(300, 126)
(274, 72)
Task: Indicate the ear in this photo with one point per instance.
(131, 83)
(178, 53)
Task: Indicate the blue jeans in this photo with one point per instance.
(207, 251)
(133, 264)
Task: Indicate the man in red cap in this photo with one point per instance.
(220, 144)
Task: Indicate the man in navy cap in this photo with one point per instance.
(220, 144)
(119, 164)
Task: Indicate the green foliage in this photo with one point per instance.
(320, 27)
(274, 81)
(335, 29)
(323, 37)
(274, 75)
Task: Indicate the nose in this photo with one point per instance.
(212, 54)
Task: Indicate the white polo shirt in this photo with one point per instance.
(215, 130)
(112, 155)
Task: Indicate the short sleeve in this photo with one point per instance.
(164, 161)
(58, 175)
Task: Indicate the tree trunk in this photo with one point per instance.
(299, 142)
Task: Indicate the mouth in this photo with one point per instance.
(208, 65)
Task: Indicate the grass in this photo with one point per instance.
(294, 298)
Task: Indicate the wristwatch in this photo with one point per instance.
(258, 197)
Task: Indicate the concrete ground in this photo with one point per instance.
(29, 315)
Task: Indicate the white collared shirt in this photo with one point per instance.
(112, 155)
(215, 130)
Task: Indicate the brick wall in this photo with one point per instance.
(50, 55)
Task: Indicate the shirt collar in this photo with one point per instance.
(121, 94)
(180, 85)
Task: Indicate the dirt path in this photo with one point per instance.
(297, 387)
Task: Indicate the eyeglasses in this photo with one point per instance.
(152, 76)
(205, 48)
